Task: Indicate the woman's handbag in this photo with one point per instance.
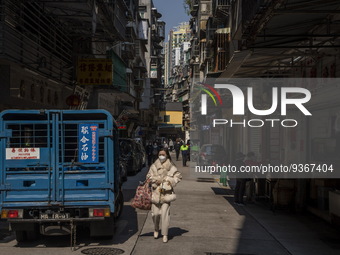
(142, 199)
(167, 193)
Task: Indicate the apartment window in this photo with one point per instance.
(205, 8)
(166, 118)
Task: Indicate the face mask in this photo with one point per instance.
(162, 158)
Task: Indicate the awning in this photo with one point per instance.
(125, 97)
(235, 63)
(130, 110)
(225, 30)
(163, 126)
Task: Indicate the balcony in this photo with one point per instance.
(36, 40)
(222, 4)
(221, 46)
(221, 9)
(161, 29)
(128, 51)
(206, 8)
(78, 16)
(155, 37)
(194, 8)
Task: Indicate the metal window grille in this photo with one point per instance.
(32, 37)
(28, 135)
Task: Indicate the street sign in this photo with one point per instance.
(22, 153)
(88, 143)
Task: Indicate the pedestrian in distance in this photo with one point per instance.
(171, 145)
(177, 148)
(155, 149)
(240, 182)
(250, 184)
(149, 150)
(189, 145)
(164, 176)
(184, 149)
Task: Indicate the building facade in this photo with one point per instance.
(78, 55)
(154, 57)
(273, 39)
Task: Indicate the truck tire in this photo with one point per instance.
(119, 204)
(20, 236)
(32, 235)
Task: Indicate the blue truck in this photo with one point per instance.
(59, 169)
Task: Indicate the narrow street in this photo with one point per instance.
(204, 220)
(93, 89)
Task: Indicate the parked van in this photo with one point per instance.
(59, 168)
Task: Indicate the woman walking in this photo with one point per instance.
(164, 176)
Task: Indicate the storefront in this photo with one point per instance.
(23, 88)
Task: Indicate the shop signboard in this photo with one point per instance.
(94, 71)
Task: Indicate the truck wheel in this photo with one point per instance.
(32, 235)
(20, 235)
(119, 205)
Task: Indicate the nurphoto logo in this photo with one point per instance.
(239, 101)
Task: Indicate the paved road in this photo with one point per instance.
(126, 233)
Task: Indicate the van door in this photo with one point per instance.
(43, 163)
(27, 163)
(84, 157)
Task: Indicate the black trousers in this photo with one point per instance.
(184, 158)
(177, 154)
(239, 190)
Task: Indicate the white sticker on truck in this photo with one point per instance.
(22, 153)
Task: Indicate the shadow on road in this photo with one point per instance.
(173, 232)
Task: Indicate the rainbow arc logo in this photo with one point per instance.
(209, 90)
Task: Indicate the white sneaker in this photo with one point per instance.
(155, 234)
(165, 239)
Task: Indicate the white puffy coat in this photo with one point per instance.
(169, 176)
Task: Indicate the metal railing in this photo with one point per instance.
(223, 3)
(34, 39)
(250, 8)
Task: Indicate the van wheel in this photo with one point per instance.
(119, 205)
(20, 236)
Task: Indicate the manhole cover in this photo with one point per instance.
(102, 251)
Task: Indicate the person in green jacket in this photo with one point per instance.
(185, 150)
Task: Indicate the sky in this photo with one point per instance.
(173, 13)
